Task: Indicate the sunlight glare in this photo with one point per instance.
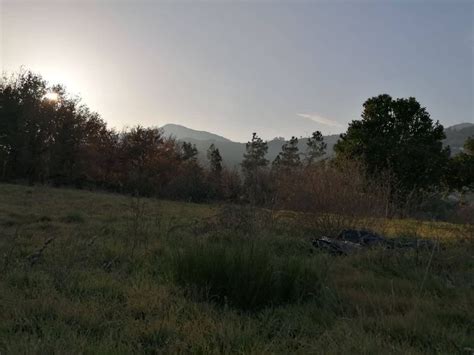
(51, 96)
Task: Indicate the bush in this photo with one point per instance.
(340, 189)
(244, 275)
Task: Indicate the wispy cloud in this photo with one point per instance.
(319, 119)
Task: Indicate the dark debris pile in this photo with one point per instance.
(350, 241)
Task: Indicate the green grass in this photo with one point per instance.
(245, 274)
(176, 277)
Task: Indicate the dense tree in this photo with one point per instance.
(140, 152)
(189, 182)
(19, 95)
(40, 138)
(47, 136)
(68, 135)
(315, 147)
(400, 137)
(100, 154)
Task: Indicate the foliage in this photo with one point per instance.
(254, 168)
(254, 158)
(189, 151)
(62, 142)
(289, 157)
(400, 137)
(215, 172)
(316, 147)
(469, 146)
(215, 160)
(460, 174)
(327, 190)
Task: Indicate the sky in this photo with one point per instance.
(232, 68)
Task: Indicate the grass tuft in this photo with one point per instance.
(244, 275)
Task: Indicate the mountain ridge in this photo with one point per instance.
(182, 132)
(232, 152)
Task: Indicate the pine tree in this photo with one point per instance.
(289, 157)
(316, 147)
(214, 178)
(215, 161)
(254, 167)
(189, 151)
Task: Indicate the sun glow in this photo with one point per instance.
(51, 96)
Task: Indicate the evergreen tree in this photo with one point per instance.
(215, 160)
(289, 157)
(189, 151)
(214, 178)
(316, 147)
(254, 167)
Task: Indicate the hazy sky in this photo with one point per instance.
(277, 68)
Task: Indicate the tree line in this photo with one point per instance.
(55, 139)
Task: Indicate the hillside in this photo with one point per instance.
(456, 136)
(232, 152)
(185, 133)
(85, 272)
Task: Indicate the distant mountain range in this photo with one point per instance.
(232, 152)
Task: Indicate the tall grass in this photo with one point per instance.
(244, 275)
(233, 286)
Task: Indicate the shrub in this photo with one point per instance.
(340, 189)
(245, 275)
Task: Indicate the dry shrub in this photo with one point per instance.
(231, 185)
(333, 196)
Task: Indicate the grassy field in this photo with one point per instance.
(84, 272)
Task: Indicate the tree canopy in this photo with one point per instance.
(289, 157)
(398, 136)
(47, 136)
(316, 147)
(253, 167)
(460, 174)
